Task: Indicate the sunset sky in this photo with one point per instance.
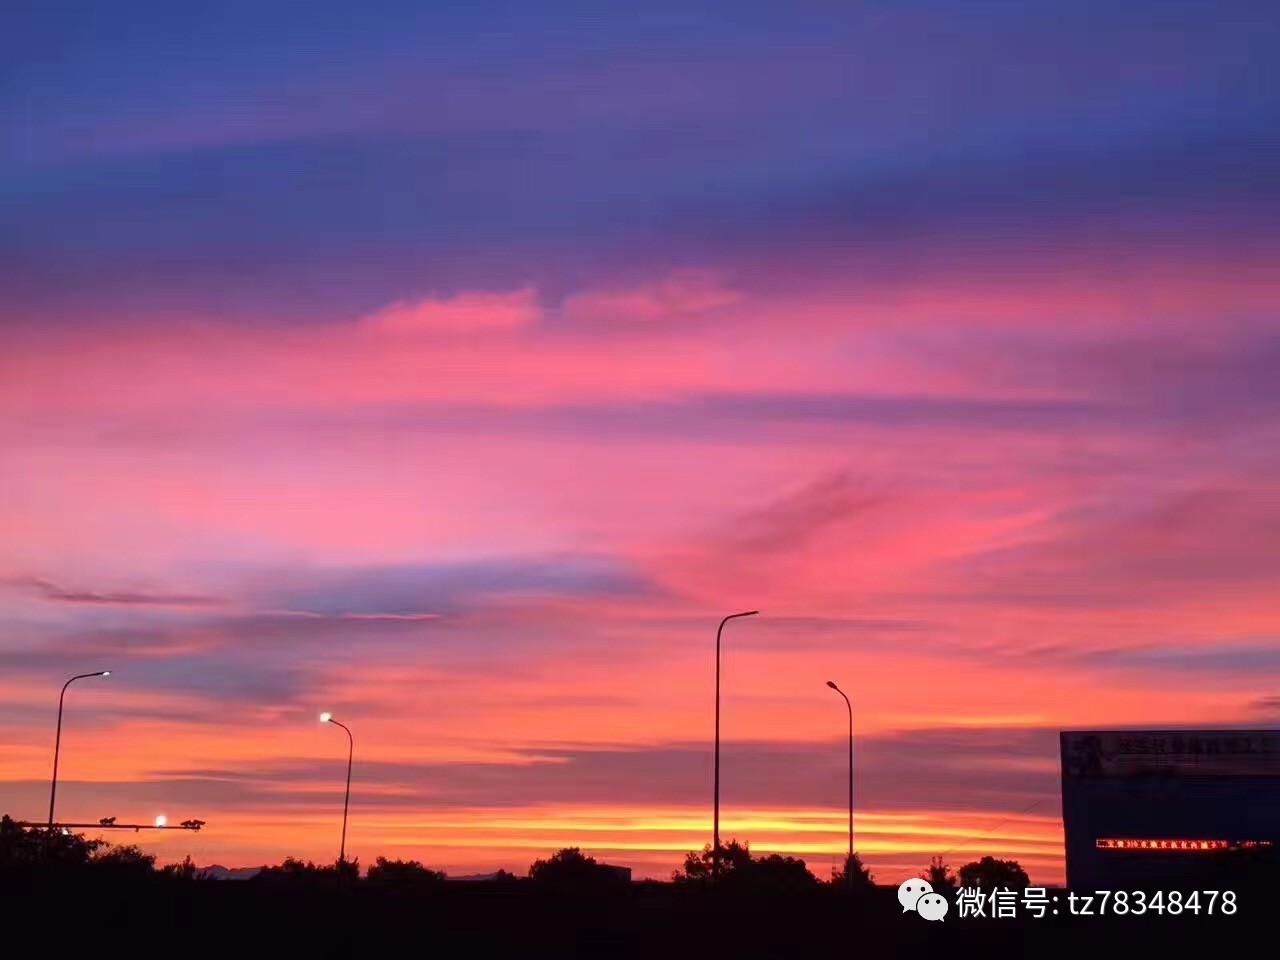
(455, 368)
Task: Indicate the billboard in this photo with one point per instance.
(1143, 807)
(1171, 753)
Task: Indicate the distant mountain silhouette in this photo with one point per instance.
(219, 872)
(480, 877)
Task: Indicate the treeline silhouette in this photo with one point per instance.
(34, 850)
(78, 894)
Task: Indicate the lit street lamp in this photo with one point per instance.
(351, 750)
(57, 742)
(715, 816)
(848, 863)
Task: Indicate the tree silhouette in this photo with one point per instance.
(570, 867)
(940, 876)
(401, 873)
(186, 870)
(569, 864)
(18, 847)
(991, 873)
(290, 869)
(304, 872)
(779, 873)
(734, 857)
(853, 874)
(33, 846)
(124, 861)
(740, 871)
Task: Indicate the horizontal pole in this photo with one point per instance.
(106, 826)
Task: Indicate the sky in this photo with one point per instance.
(455, 368)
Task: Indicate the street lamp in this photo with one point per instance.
(715, 816)
(57, 741)
(346, 800)
(848, 863)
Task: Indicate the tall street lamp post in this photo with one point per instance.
(715, 816)
(848, 863)
(346, 800)
(57, 741)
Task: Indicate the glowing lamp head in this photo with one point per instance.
(106, 673)
(326, 717)
(161, 820)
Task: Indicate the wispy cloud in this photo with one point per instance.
(463, 314)
(993, 768)
(429, 590)
(797, 516)
(57, 593)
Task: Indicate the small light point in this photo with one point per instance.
(326, 717)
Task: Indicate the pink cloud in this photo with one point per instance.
(685, 335)
(463, 314)
(680, 296)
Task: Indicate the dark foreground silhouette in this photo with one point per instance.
(86, 901)
(241, 919)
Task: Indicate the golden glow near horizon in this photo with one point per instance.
(653, 841)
